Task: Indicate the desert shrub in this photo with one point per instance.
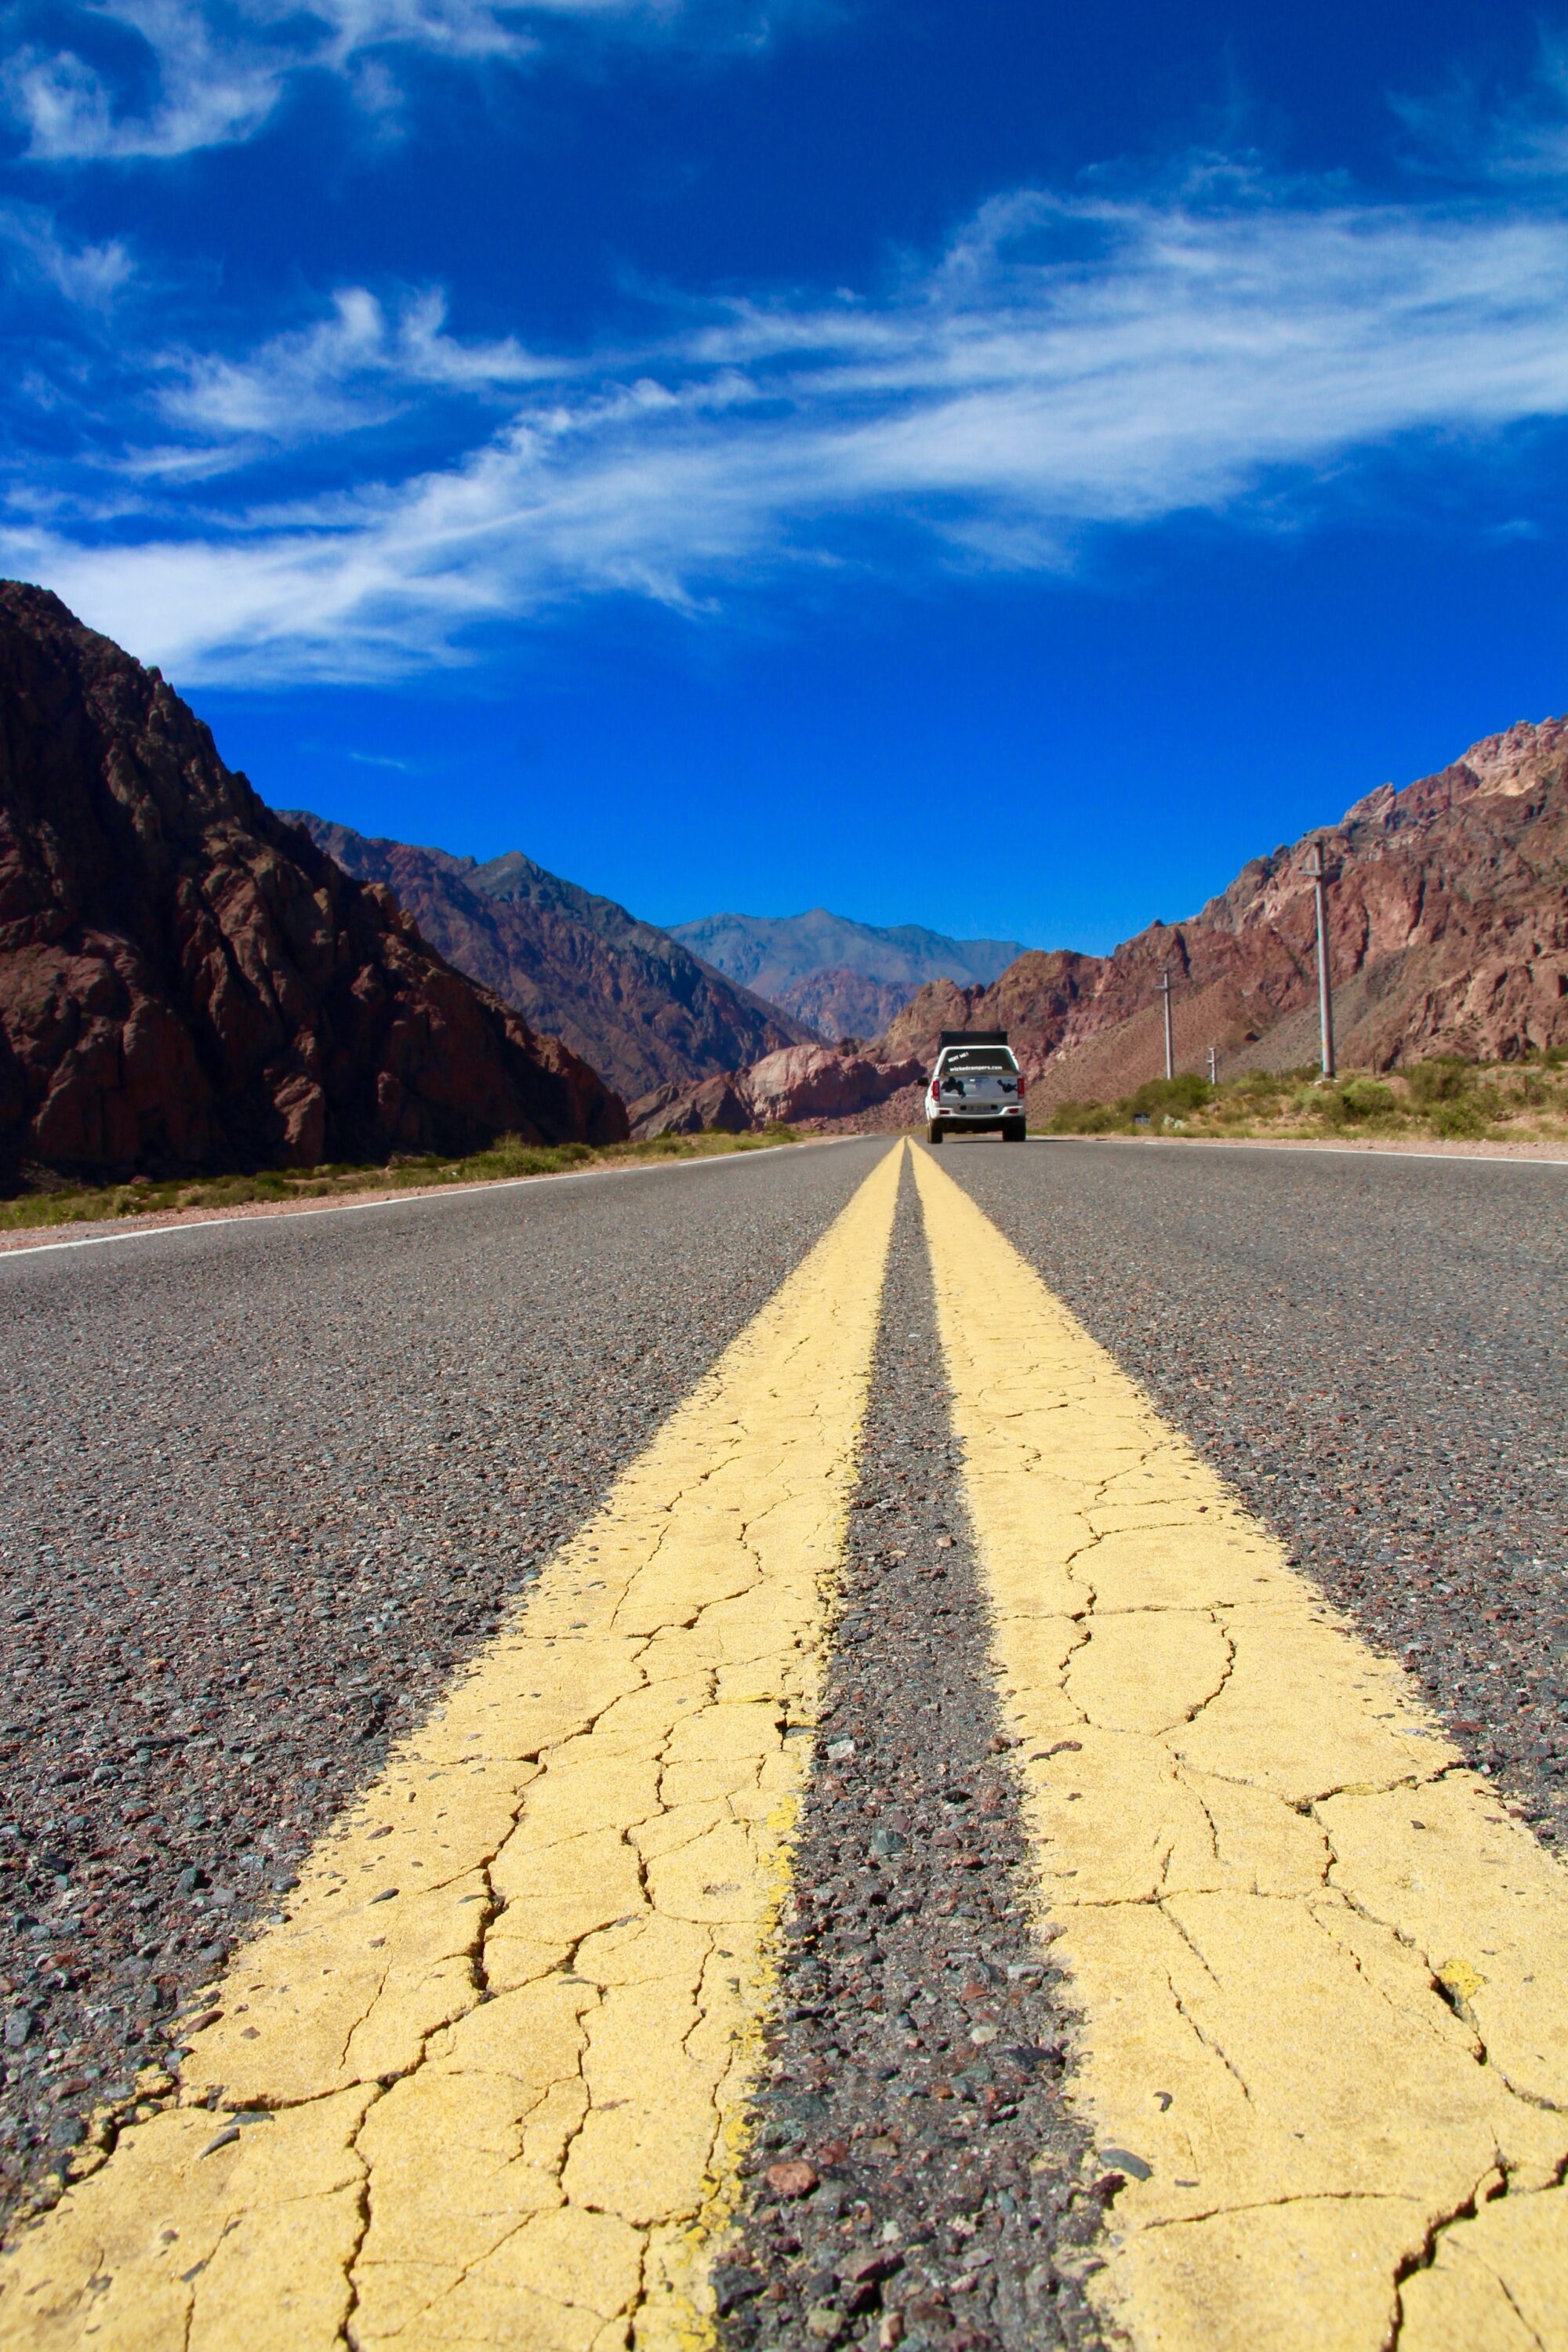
(1351, 1103)
(1368, 1098)
(1084, 1118)
(510, 1157)
(777, 1130)
(62, 1208)
(1169, 1097)
(1443, 1080)
(1461, 1119)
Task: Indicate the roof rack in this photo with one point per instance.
(975, 1036)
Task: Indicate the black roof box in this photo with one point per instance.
(975, 1036)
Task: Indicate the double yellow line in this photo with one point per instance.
(488, 2085)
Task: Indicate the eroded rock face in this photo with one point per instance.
(814, 1082)
(187, 983)
(840, 1003)
(800, 1081)
(708, 1103)
(1448, 933)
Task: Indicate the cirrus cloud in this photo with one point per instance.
(1068, 365)
(220, 68)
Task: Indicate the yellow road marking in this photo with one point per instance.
(499, 2055)
(1324, 1977)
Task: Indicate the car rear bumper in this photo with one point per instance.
(958, 1122)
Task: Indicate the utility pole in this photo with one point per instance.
(1211, 1065)
(1321, 874)
(1170, 1036)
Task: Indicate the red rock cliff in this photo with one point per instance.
(186, 982)
(1448, 933)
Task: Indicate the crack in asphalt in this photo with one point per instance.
(1372, 1353)
(1153, 1842)
(296, 1474)
(917, 2041)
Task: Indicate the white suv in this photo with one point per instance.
(976, 1087)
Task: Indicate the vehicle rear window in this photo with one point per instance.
(980, 1058)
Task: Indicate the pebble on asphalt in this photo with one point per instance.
(261, 1487)
(915, 2174)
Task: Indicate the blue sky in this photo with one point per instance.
(995, 465)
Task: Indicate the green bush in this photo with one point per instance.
(776, 1131)
(1460, 1121)
(1444, 1080)
(1169, 1098)
(1368, 1098)
(1084, 1118)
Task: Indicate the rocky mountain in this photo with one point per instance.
(1449, 923)
(846, 979)
(809, 1085)
(642, 1008)
(187, 983)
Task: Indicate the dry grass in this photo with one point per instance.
(1446, 1098)
(52, 1202)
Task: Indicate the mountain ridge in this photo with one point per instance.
(1448, 932)
(845, 978)
(634, 1002)
(187, 983)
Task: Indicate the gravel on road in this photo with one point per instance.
(916, 2177)
(261, 1487)
(1374, 1352)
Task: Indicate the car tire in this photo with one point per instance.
(1014, 1130)
(934, 1131)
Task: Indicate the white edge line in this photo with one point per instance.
(1338, 1151)
(412, 1200)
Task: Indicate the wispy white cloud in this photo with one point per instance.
(222, 67)
(34, 251)
(212, 89)
(1067, 365)
(1465, 133)
(353, 368)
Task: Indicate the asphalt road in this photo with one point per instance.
(919, 2035)
(1373, 1349)
(263, 1485)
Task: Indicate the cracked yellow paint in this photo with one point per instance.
(497, 2053)
(1323, 1976)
